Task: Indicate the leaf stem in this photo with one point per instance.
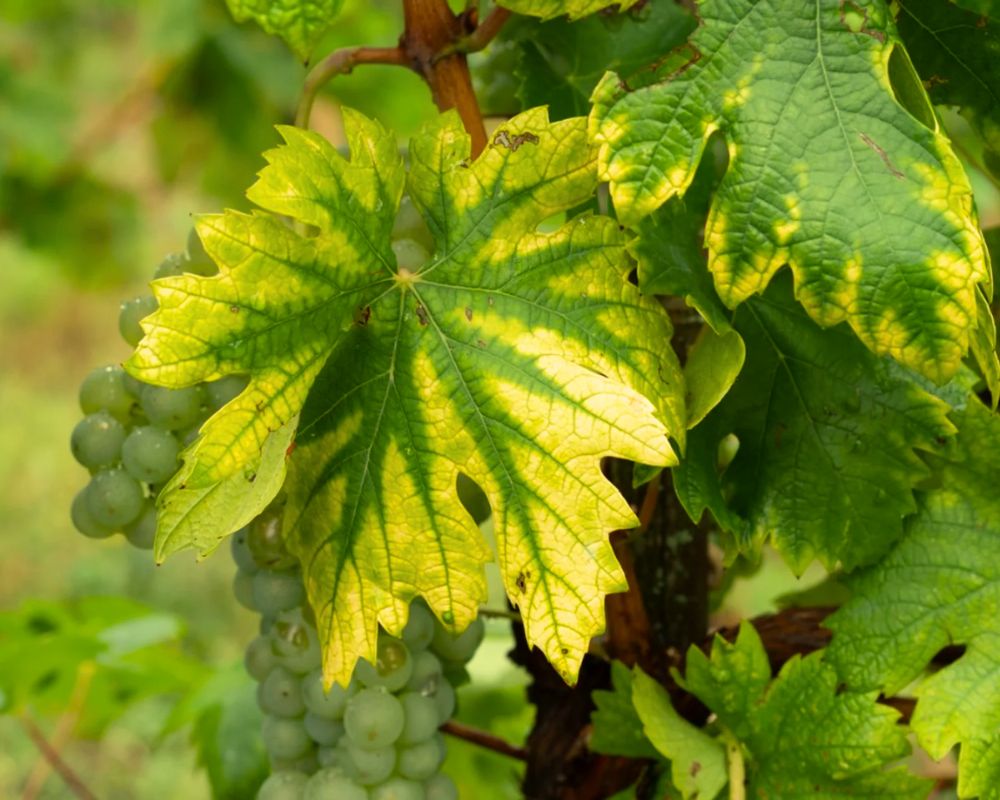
(70, 778)
(737, 767)
(484, 33)
(341, 62)
(499, 613)
(484, 739)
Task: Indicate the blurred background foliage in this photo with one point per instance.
(119, 119)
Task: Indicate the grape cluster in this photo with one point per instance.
(378, 739)
(132, 434)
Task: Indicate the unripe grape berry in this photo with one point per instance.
(458, 648)
(393, 665)
(398, 789)
(280, 694)
(131, 313)
(173, 409)
(331, 783)
(373, 719)
(150, 454)
(441, 787)
(97, 440)
(243, 590)
(295, 642)
(114, 498)
(266, 539)
(104, 390)
(277, 591)
(84, 521)
(422, 717)
(225, 389)
(329, 704)
(445, 699)
(325, 732)
(259, 658)
(427, 674)
(373, 766)
(419, 628)
(171, 266)
(241, 552)
(285, 738)
(420, 761)
(283, 786)
(142, 532)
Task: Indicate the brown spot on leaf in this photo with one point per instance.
(522, 580)
(481, 342)
(422, 315)
(695, 768)
(513, 143)
(234, 309)
(855, 19)
(290, 449)
(362, 315)
(468, 313)
(883, 155)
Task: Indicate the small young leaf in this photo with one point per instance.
(301, 23)
(713, 363)
(803, 737)
(828, 173)
(697, 761)
(939, 586)
(617, 727)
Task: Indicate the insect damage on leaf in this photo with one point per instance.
(517, 357)
(828, 173)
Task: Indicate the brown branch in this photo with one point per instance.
(430, 28)
(484, 33)
(69, 777)
(341, 62)
(484, 739)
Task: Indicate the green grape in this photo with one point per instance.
(277, 591)
(441, 787)
(84, 521)
(225, 389)
(445, 699)
(325, 732)
(285, 738)
(241, 552)
(393, 665)
(458, 648)
(410, 255)
(421, 761)
(327, 756)
(173, 409)
(259, 658)
(97, 440)
(295, 642)
(114, 498)
(150, 454)
(134, 387)
(373, 766)
(373, 719)
(456, 674)
(329, 704)
(341, 759)
(426, 673)
(398, 789)
(266, 540)
(280, 694)
(422, 717)
(419, 628)
(243, 589)
(409, 224)
(283, 786)
(142, 532)
(104, 390)
(330, 783)
(171, 266)
(131, 313)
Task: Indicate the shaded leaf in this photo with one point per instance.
(301, 23)
(547, 9)
(617, 727)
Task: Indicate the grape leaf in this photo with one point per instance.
(989, 8)
(562, 61)
(617, 727)
(827, 437)
(803, 737)
(697, 761)
(516, 357)
(713, 363)
(939, 586)
(574, 9)
(301, 23)
(828, 173)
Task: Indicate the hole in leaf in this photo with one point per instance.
(948, 655)
(473, 498)
(909, 89)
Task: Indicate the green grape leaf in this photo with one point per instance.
(617, 727)
(301, 23)
(939, 586)
(827, 438)
(202, 517)
(802, 737)
(517, 357)
(828, 173)
(561, 61)
(574, 9)
(697, 761)
(990, 8)
(225, 731)
(713, 363)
